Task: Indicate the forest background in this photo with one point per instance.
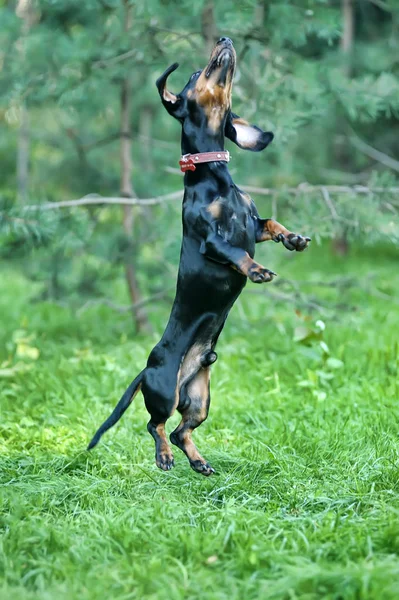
(304, 417)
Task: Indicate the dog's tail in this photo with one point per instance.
(119, 409)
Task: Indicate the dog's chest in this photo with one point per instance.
(233, 220)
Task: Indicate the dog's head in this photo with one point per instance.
(204, 105)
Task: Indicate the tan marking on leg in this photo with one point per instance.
(160, 429)
(192, 361)
(245, 264)
(189, 448)
(195, 414)
(253, 270)
(189, 365)
(182, 439)
(275, 228)
(271, 230)
(164, 454)
(177, 391)
(265, 236)
(198, 391)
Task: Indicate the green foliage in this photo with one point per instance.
(65, 65)
(302, 432)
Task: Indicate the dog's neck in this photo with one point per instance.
(198, 137)
(216, 172)
(201, 144)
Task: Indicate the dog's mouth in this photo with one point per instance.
(222, 63)
(213, 86)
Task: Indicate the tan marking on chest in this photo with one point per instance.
(214, 98)
(246, 197)
(215, 208)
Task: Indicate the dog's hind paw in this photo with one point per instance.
(165, 461)
(202, 467)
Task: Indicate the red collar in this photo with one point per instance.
(188, 161)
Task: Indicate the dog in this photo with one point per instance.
(220, 229)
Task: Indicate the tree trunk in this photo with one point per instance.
(145, 138)
(347, 34)
(23, 156)
(260, 13)
(208, 26)
(139, 314)
(341, 243)
(25, 10)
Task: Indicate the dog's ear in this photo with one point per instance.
(173, 104)
(246, 136)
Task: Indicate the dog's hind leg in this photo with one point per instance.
(194, 407)
(163, 453)
(161, 402)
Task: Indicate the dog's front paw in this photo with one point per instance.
(258, 274)
(294, 241)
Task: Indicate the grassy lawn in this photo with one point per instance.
(303, 434)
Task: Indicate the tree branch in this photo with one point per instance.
(332, 189)
(377, 155)
(101, 64)
(102, 142)
(329, 203)
(382, 5)
(93, 199)
(123, 308)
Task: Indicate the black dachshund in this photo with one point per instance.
(220, 229)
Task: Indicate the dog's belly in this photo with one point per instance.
(205, 293)
(204, 285)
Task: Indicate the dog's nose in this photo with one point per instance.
(225, 39)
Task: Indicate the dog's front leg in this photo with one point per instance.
(216, 248)
(269, 229)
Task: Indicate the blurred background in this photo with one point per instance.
(81, 120)
(303, 427)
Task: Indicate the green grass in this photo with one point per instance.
(303, 435)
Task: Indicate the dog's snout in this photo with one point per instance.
(226, 40)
